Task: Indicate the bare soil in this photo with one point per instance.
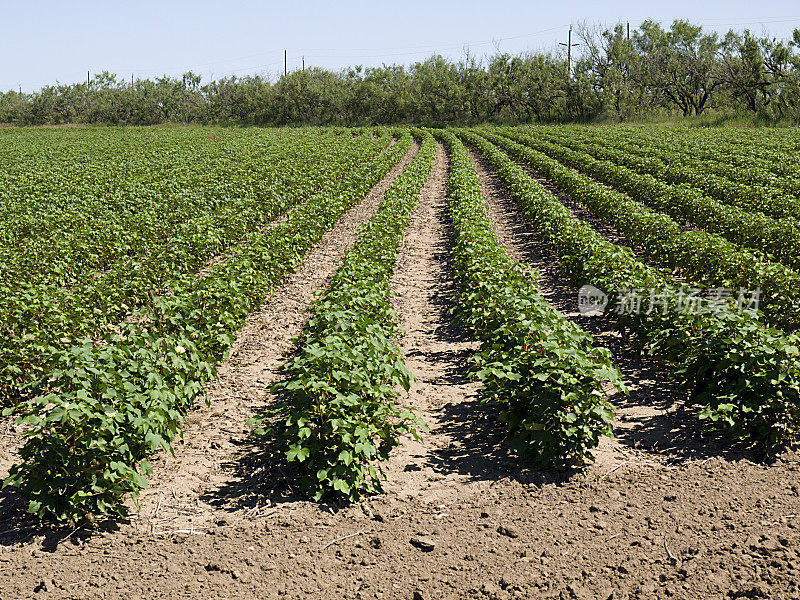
(461, 516)
(652, 414)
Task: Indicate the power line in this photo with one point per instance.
(358, 54)
(713, 23)
(351, 52)
(759, 21)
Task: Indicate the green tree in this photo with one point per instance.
(678, 65)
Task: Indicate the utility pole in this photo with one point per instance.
(285, 70)
(131, 79)
(304, 63)
(627, 50)
(87, 79)
(569, 46)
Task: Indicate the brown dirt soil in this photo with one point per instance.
(647, 415)
(461, 517)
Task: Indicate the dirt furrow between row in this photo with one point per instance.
(647, 418)
(435, 470)
(183, 492)
(581, 213)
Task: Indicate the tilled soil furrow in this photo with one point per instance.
(183, 490)
(461, 430)
(649, 418)
(581, 213)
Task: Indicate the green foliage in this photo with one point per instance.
(700, 257)
(111, 325)
(744, 375)
(741, 189)
(97, 224)
(111, 402)
(338, 415)
(542, 369)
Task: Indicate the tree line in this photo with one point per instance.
(617, 75)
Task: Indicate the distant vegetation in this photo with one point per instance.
(653, 73)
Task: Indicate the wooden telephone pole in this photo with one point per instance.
(285, 70)
(627, 50)
(569, 46)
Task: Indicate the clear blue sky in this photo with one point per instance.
(48, 41)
